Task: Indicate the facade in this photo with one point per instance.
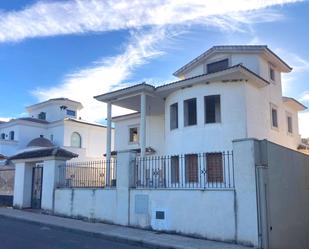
(227, 93)
(213, 155)
(59, 121)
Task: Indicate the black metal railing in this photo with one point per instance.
(212, 170)
(90, 174)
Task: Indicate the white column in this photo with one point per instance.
(244, 152)
(108, 141)
(125, 180)
(143, 125)
(50, 179)
(22, 185)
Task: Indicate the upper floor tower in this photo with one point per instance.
(55, 109)
(257, 58)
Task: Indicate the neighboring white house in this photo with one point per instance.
(59, 121)
(227, 93)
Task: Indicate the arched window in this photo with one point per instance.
(3, 136)
(12, 135)
(76, 140)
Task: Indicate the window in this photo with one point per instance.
(271, 73)
(76, 140)
(3, 136)
(42, 116)
(174, 116)
(190, 112)
(175, 169)
(71, 113)
(290, 123)
(217, 66)
(212, 109)
(52, 137)
(274, 117)
(134, 136)
(12, 135)
(214, 167)
(191, 171)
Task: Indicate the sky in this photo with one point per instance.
(82, 48)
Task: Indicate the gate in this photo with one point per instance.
(36, 194)
(6, 185)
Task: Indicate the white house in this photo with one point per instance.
(226, 93)
(59, 121)
(193, 159)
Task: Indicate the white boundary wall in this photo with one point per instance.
(222, 214)
(202, 213)
(99, 204)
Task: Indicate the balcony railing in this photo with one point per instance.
(212, 170)
(90, 174)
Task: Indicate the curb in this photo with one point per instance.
(113, 238)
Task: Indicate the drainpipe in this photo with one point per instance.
(261, 197)
(235, 216)
(258, 201)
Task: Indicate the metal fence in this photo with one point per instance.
(90, 174)
(213, 170)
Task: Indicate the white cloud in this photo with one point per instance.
(305, 97)
(300, 65)
(80, 16)
(106, 74)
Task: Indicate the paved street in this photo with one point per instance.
(16, 234)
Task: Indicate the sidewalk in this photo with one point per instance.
(119, 233)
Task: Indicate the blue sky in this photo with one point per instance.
(79, 49)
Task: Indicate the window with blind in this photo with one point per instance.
(212, 109)
(12, 135)
(214, 165)
(271, 73)
(71, 113)
(175, 169)
(190, 115)
(217, 66)
(274, 116)
(191, 168)
(42, 115)
(174, 116)
(290, 124)
(76, 140)
(133, 135)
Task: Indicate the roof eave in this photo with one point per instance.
(300, 105)
(42, 104)
(283, 65)
(84, 122)
(132, 90)
(215, 49)
(125, 116)
(178, 84)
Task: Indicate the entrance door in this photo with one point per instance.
(37, 177)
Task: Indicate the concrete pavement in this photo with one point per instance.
(117, 233)
(18, 234)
